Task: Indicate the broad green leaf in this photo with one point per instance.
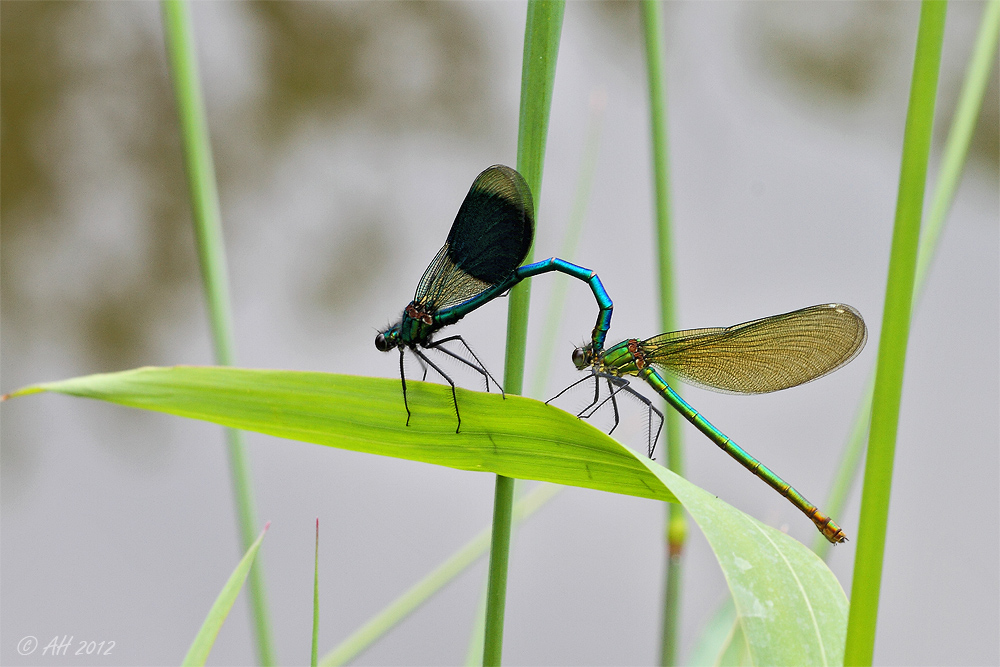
(790, 607)
(517, 437)
(205, 639)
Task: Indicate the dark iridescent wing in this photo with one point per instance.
(490, 238)
(763, 355)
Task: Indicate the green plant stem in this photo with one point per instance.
(179, 37)
(553, 313)
(956, 149)
(970, 100)
(541, 46)
(314, 653)
(676, 524)
(496, 590)
(543, 26)
(860, 643)
(571, 239)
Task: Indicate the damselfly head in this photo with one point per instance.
(582, 357)
(386, 340)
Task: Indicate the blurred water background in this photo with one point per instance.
(345, 137)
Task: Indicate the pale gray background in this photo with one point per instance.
(346, 136)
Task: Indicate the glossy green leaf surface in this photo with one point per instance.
(791, 608)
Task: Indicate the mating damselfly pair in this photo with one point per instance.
(481, 260)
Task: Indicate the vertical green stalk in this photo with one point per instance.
(860, 644)
(541, 46)
(676, 528)
(496, 586)
(314, 653)
(179, 37)
(970, 100)
(574, 229)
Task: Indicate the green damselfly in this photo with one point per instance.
(755, 357)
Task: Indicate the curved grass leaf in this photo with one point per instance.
(791, 608)
(205, 639)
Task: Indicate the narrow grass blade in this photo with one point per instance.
(676, 528)
(867, 579)
(553, 314)
(967, 111)
(197, 655)
(542, 30)
(496, 587)
(970, 100)
(314, 653)
(571, 239)
(200, 170)
(543, 27)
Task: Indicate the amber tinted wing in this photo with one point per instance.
(763, 355)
